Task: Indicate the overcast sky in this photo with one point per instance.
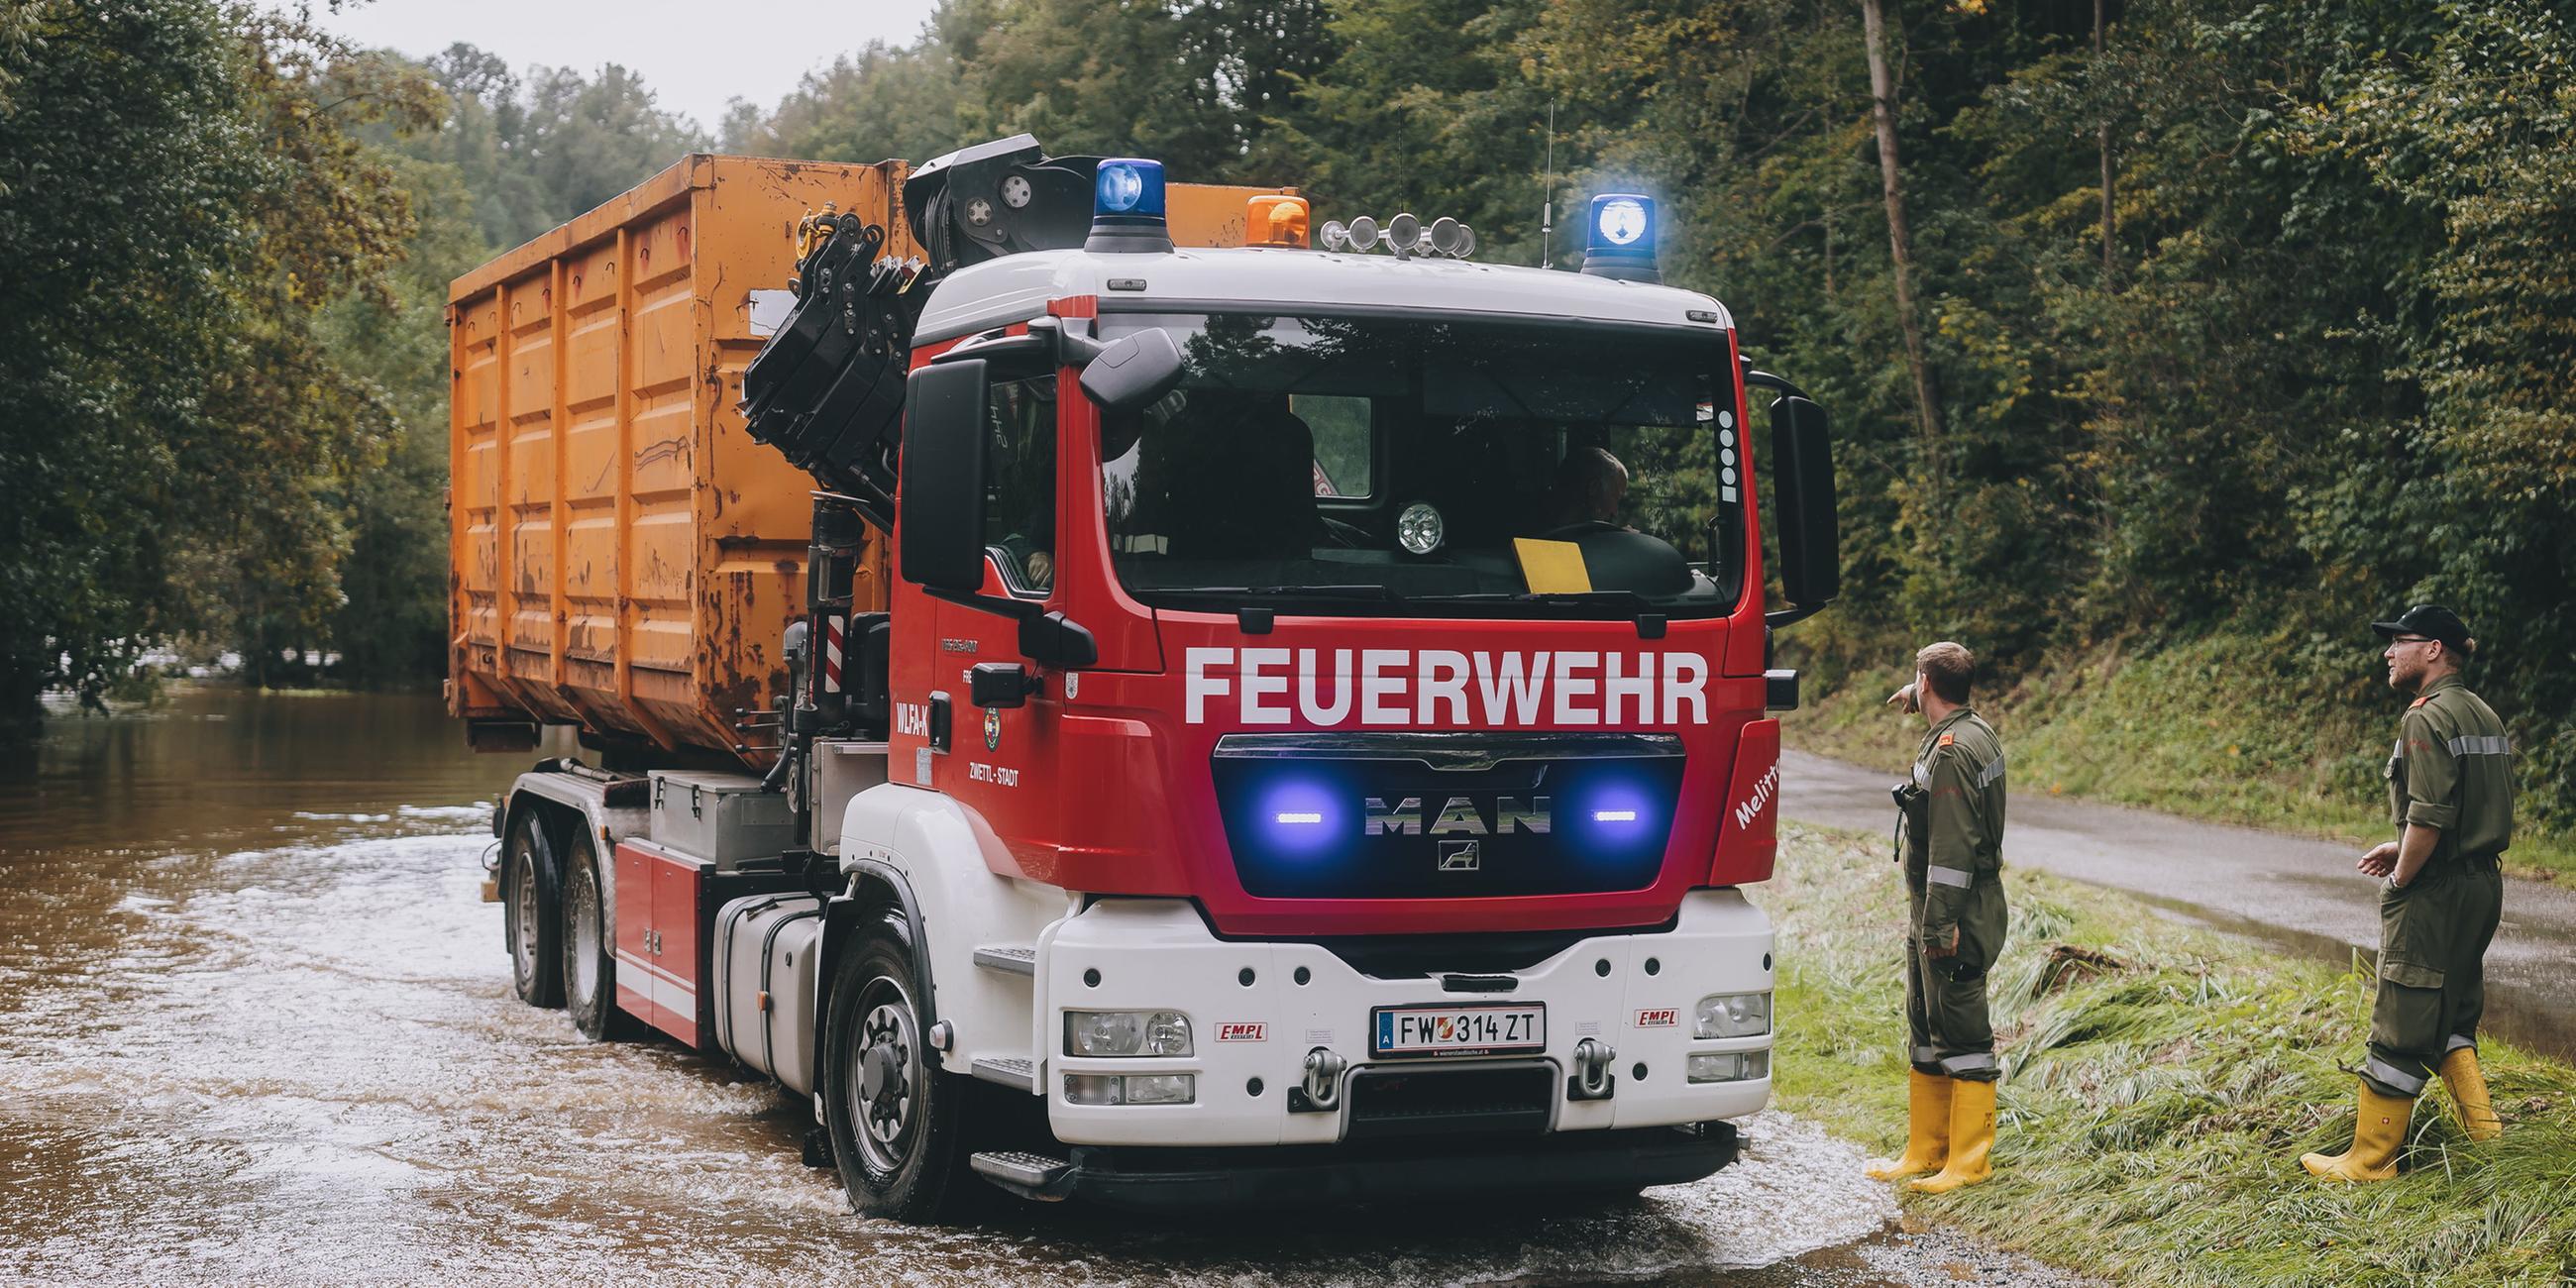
(695, 54)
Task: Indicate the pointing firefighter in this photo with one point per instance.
(2450, 790)
(1951, 819)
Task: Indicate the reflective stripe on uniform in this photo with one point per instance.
(2487, 744)
(1926, 1055)
(2383, 1071)
(1972, 1060)
(1959, 877)
(1922, 774)
(1991, 772)
(2457, 1041)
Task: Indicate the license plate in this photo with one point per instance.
(1478, 1029)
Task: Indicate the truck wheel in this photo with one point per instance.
(892, 1113)
(589, 958)
(530, 880)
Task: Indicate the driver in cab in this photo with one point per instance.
(1583, 513)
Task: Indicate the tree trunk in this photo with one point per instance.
(2100, 23)
(1900, 243)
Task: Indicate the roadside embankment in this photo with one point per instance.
(2161, 1081)
(2207, 729)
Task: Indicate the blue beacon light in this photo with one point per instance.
(1619, 238)
(1127, 207)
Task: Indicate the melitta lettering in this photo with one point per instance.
(1393, 686)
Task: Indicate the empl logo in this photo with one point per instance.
(1462, 856)
(1664, 1018)
(1243, 1031)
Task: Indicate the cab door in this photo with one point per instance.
(1000, 759)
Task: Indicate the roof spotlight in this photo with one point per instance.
(1444, 235)
(1466, 241)
(1404, 233)
(1363, 233)
(1333, 235)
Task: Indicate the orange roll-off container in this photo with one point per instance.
(624, 557)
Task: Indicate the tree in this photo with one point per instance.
(1900, 240)
(177, 440)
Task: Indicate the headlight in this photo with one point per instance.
(1733, 1015)
(1731, 1066)
(1126, 1033)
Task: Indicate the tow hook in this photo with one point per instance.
(1321, 1091)
(1592, 1079)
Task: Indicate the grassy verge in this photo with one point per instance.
(2160, 1084)
(2190, 730)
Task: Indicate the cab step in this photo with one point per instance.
(1018, 1075)
(1031, 1176)
(1010, 959)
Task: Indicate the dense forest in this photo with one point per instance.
(2151, 329)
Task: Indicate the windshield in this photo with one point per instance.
(1414, 463)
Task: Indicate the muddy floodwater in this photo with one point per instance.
(256, 1025)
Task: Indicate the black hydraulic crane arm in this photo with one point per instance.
(827, 389)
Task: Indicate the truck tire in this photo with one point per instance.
(530, 923)
(589, 954)
(893, 1115)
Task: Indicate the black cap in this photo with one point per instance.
(2433, 622)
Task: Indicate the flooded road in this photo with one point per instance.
(256, 1025)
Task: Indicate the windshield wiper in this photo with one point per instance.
(1551, 597)
(1361, 590)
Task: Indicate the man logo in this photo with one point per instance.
(1462, 856)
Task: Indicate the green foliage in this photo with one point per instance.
(182, 195)
(2159, 1087)
(880, 103)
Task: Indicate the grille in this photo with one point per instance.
(1446, 816)
(1433, 1102)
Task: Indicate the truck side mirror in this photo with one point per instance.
(1802, 463)
(943, 476)
(1134, 370)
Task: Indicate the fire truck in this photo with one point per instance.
(1104, 690)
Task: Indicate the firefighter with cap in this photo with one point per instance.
(1951, 830)
(2450, 790)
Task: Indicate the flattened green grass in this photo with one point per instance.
(2161, 1082)
(2196, 730)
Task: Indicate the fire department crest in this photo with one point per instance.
(992, 728)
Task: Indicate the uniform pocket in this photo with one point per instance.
(2406, 1016)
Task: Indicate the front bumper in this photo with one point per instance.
(1258, 1008)
(1167, 1180)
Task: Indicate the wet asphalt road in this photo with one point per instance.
(2290, 890)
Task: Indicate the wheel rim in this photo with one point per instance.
(523, 916)
(885, 1091)
(582, 981)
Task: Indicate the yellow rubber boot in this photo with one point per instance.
(1927, 1129)
(2468, 1084)
(2376, 1136)
(1972, 1138)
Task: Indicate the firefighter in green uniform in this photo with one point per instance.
(2450, 788)
(1951, 821)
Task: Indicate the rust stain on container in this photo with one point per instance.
(597, 456)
